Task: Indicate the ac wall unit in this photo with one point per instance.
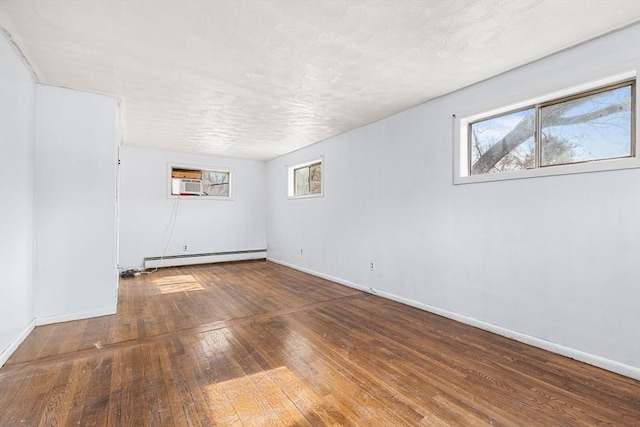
(191, 186)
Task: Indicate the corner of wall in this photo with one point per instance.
(6, 353)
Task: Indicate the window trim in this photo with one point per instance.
(462, 173)
(171, 166)
(291, 179)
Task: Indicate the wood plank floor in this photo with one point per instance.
(256, 343)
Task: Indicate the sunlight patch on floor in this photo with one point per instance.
(180, 287)
(173, 284)
(169, 280)
(267, 396)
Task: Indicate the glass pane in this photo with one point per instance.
(503, 144)
(301, 181)
(589, 128)
(316, 178)
(215, 183)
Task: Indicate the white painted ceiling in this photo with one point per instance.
(257, 79)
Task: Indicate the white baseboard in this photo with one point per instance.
(4, 356)
(74, 316)
(591, 359)
(323, 276)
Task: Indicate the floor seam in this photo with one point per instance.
(109, 348)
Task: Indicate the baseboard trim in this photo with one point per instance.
(74, 316)
(572, 353)
(4, 356)
(323, 276)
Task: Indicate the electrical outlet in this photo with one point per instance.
(301, 251)
(185, 248)
(372, 265)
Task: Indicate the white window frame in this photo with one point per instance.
(171, 166)
(290, 179)
(461, 147)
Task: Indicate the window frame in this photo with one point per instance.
(201, 168)
(291, 178)
(462, 140)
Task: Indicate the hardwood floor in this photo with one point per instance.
(256, 343)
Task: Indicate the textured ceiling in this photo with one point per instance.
(257, 79)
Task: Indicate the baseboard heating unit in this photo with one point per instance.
(191, 259)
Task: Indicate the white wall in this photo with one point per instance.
(17, 217)
(553, 261)
(205, 226)
(76, 163)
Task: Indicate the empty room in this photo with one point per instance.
(290, 213)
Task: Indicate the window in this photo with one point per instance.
(305, 179)
(502, 144)
(200, 183)
(590, 127)
(556, 135)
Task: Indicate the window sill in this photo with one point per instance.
(587, 167)
(306, 196)
(188, 197)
